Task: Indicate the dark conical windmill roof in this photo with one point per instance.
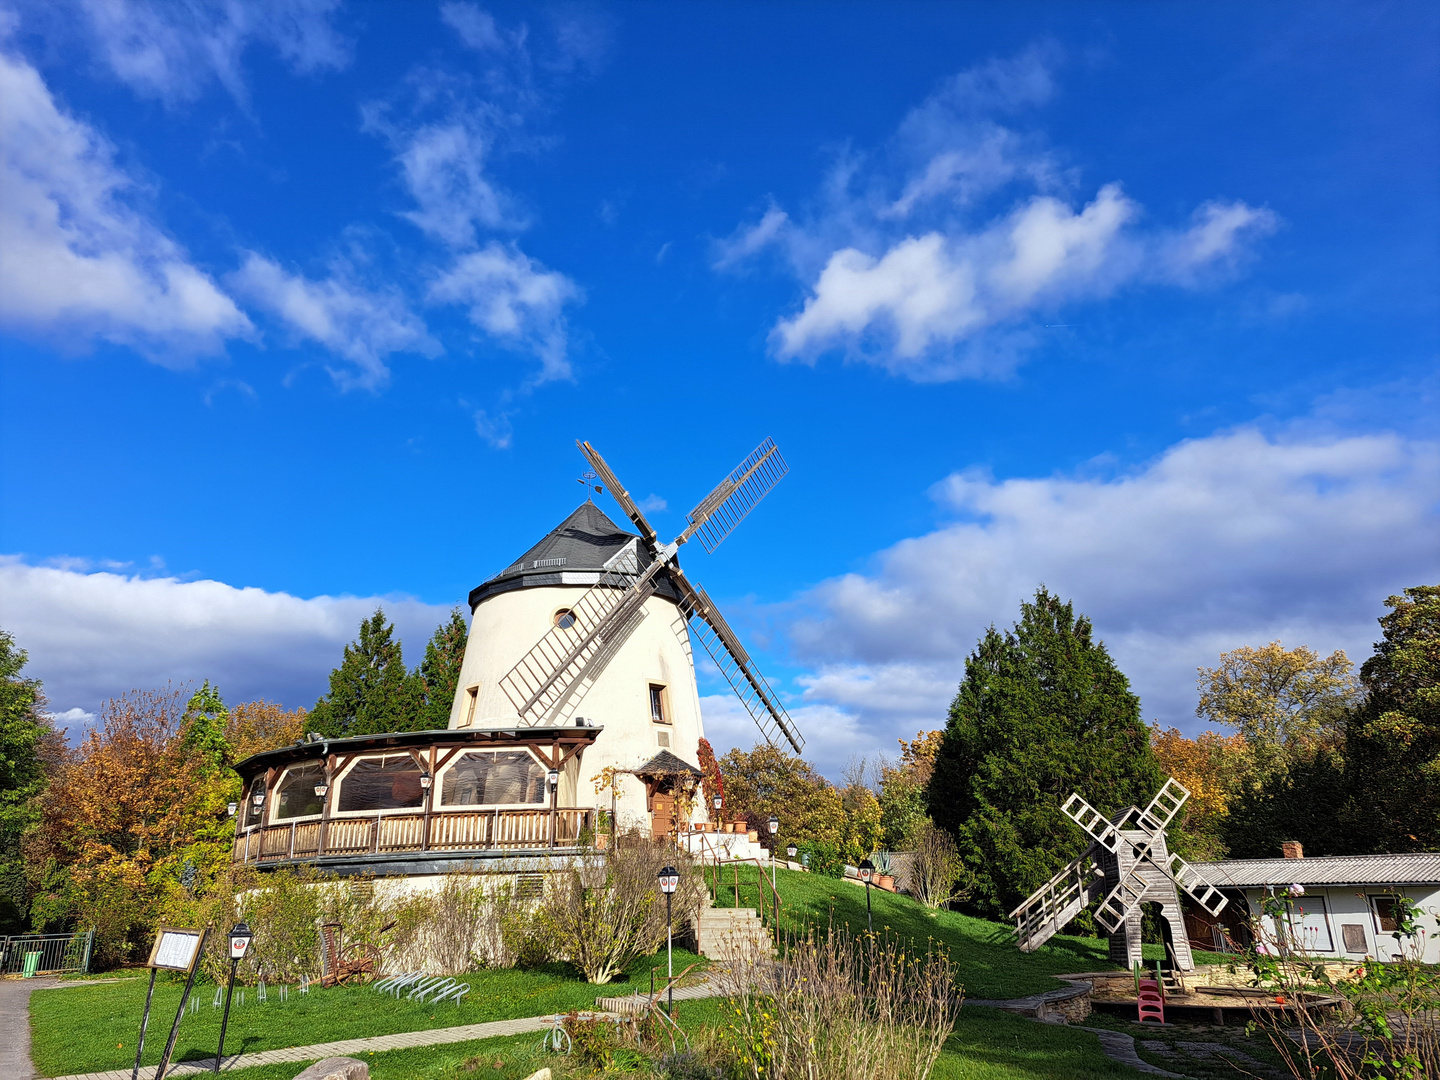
(572, 553)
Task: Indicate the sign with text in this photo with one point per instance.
(175, 949)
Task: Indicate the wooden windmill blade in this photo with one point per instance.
(710, 627)
(715, 516)
(617, 491)
(602, 617)
(1100, 828)
(1196, 884)
(1162, 809)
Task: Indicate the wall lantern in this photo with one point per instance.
(790, 851)
(231, 808)
(553, 776)
(258, 798)
(425, 781)
(321, 788)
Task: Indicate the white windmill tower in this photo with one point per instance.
(592, 626)
(1128, 863)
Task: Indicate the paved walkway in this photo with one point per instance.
(341, 1048)
(15, 1022)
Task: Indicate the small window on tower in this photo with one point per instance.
(658, 712)
(472, 698)
(564, 618)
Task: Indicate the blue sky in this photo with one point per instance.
(304, 304)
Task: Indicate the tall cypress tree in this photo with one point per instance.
(439, 672)
(371, 691)
(1042, 711)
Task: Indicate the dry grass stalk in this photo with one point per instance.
(841, 1007)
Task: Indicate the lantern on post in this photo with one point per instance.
(240, 937)
(774, 824)
(867, 871)
(669, 879)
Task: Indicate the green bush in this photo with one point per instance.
(825, 859)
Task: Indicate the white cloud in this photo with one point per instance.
(73, 721)
(172, 51)
(495, 429)
(1238, 538)
(358, 324)
(515, 299)
(931, 256)
(443, 166)
(749, 239)
(832, 735)
(91, 636)
(77, 259)
(652, 504)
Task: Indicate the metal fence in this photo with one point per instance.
(46, 954)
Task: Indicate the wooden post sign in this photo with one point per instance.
(175, 949)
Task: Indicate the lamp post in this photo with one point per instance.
(774, 824)
(790, 852)
(553, 779)
(240, 936)
(425, 781)
(719, 802)
(867, 869)
(669, 879)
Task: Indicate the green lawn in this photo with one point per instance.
(987, 1045)
(987, 961)
(88, 1029)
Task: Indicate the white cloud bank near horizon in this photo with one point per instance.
(94, 635)
(1240, 537)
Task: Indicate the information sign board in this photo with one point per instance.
(175, 949)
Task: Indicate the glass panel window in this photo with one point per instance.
(657, 704)
(391, 782)
(295, 794)
(1385, 914)
(494, 778)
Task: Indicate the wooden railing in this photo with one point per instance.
(441, 831)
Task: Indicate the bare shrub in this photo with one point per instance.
(841, 1007)
(936, 874)
(601, 913)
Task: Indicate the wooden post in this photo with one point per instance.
(429, 801)
(325, 804)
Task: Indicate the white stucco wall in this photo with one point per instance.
(506, 626)
(1352, 904)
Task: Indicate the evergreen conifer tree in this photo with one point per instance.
(439, 672)
(1042, 711)
(371, 691)
(28, 746)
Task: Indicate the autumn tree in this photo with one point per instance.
(256, 726)
(1286, 704)
(1210, 767)
(1042, 712)
(30, 749)
(903, 809)
(439, 672)
(1393, 747)
(371, 691)
(860, 836)
(766, 780)
(116, 820)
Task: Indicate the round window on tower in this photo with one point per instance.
(564, 618)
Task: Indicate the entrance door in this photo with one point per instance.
(662, 815)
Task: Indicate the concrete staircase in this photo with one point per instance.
(732, 934)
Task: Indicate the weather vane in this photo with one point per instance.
(587, 479)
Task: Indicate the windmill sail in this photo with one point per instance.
(617, 491)
(710, 627)
(604, 615)
(716, 515)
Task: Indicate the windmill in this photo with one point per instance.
(573, 652)
(1126, 864)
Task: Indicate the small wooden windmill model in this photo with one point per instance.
(572, 654)
(1128, 864)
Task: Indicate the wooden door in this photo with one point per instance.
(662, 815)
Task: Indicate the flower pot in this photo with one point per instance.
(753, 836)
(885, 881)
(602, 842)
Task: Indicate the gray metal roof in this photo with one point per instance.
(573, 553)
(1420, 868)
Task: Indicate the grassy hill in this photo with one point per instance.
(984, 953)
